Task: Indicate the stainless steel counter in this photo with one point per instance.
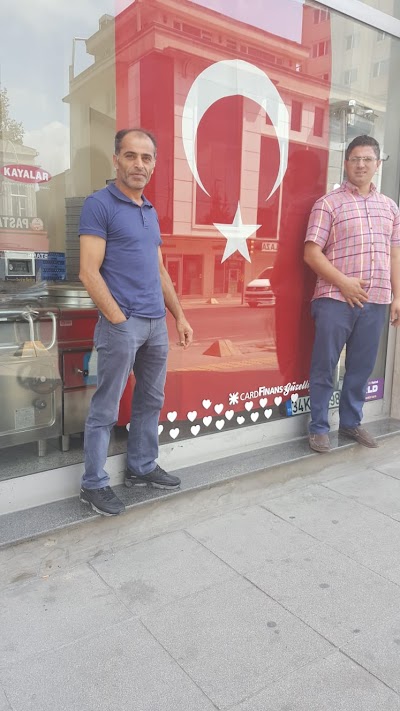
(47, 363)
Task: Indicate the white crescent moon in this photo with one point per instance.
(231, 78)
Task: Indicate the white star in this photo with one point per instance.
(236, 235)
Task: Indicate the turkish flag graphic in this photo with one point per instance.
(239, 105)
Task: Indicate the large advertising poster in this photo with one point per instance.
(238, 102)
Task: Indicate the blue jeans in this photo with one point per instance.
(337, 324)
(141, 345)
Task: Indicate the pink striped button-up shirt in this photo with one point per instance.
(356, 233)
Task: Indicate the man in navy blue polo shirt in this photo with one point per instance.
(122, 269)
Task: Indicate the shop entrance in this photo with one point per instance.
(233, 280)
(228, 276)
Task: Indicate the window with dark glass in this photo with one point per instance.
(296, 115)
(318, 129)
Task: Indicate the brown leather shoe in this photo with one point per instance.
(360, 435)
(319, 443)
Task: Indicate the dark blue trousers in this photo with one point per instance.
(337, 325)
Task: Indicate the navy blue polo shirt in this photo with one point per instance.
(132, 233)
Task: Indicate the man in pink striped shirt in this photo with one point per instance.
(353, 245)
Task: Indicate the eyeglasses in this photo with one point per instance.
(362, 159)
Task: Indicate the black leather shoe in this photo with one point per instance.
(102, 500)
(158, 478)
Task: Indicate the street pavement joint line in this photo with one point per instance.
(162, 606)
(203, 545)
(65, 645)
(332, 547)
(343, 651)
(360, 503)
(186, 673)
(111, 589)
(279, 679)
(298, 528)
(292, 614)
(391, 476)
(254, 585)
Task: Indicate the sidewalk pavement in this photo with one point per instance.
(249, 596)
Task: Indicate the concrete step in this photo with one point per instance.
(277, 463)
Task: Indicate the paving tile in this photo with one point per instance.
(393, 574)
(157, 572)
(330, 592)
(4, 705)
(372, 489)
(378, 650)
(122, 669)
(232, 640)
(367, 536)
(49, 612)
(390, 467)
(247, 538)
(327, 471)
(332, 684)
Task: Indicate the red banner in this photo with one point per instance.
(240, 112)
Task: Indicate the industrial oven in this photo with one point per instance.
(48, 364)
(30, 382)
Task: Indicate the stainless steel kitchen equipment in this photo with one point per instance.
(30, 383)
(76, 320)
(48, 363)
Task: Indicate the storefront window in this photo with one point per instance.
(252, 116)
(367, 109)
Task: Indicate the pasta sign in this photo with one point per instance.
(25, 173)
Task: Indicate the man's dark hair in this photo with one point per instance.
(363, 141)
(124, 131)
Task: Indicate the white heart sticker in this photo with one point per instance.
(206, 404)
(192, 415)
(207, 420)
(160, 429)
(240, 420)
(249, 405)
(294, 397)
(219, 424)
(229, 414)
(171, 416)
(267, 413)
(263, 401)
(277, 401)
(254, 416)
(218, 408)
(174, 433)
(195, 430)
